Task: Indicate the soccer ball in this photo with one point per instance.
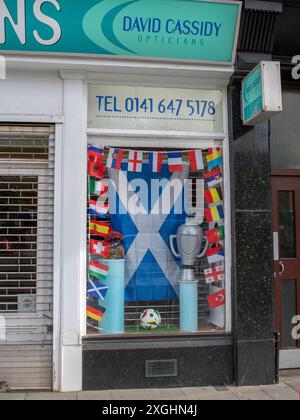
(150, 319)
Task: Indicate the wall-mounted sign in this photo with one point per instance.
(127, 107)
(261, 93)
(177, 29)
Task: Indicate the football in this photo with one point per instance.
(150, 319)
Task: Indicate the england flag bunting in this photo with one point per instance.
(135, 161)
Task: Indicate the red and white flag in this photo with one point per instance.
(214, 274)
(135, 161)
(217, 299)
(196, 160)
(101, 248)
(175, 161)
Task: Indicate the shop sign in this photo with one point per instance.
(128, 107)
(261, 93)
(177, 29)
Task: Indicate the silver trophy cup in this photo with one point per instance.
(189, 241)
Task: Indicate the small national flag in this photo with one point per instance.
(215, 235)
(98, 270)
(196, 160)
(217, 299)
(214, 274)
(212, 196)
(156, 161)
(98, 187)
(99, 228)
(175, 161)
(135, 161)
(215, 255)
(214, 158)
(98, 208)
(214, 214)
(101, 248)
(96, 168)
(95, 152)
(97, 289)
(213, 178)
(115, 158)
(95, 312)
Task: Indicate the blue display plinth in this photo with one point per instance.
(113, 320)
(188, 298)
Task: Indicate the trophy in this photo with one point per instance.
(190, 240)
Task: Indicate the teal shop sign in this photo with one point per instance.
(252, 91)
(177, 29)
(261, 93)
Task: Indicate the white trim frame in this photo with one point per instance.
(57, 258)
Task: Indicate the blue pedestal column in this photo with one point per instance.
(188, 297)
(113, 320)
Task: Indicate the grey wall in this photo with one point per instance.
(253, 250)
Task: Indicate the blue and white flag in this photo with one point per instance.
(97, 289)
(149, 208)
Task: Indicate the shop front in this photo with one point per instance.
(145, 270)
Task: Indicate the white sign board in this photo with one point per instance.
(127, 107)
(261, 93)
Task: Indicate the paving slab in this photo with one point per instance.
(59, 396)
(253, 396)
(284, 393)
(293, 383)
(214, 396)
(198, 393)
(149, 394)
(95, 395)
(12, 396)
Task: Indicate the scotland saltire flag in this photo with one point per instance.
(97, 289)
(152, 272)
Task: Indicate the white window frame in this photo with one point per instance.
(136, 138)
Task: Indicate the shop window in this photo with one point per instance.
(285, 128)
(156, 257)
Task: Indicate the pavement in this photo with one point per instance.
(287, 390)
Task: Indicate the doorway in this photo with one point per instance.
(286, 231)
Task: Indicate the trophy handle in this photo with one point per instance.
(205, 248)
(171, 239)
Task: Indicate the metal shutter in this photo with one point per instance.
(26, 255)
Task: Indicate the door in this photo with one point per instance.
(286, 227)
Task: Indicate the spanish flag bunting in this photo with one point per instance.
(99, 228)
